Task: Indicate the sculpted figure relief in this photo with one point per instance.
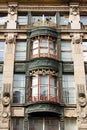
(75, 10)
(6, 99)
(77, 39)
(12, 9)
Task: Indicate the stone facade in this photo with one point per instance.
(49, 64)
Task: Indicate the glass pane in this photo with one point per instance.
(3, 19)
(19, 80)
(22, 20)
(85, 56)
(43, 50)
(2, 48)
(35, 124)
(43, 43)
(35, 51)
(35, 44)
(84, 45)
(66, 56)
(64, 20)
(43, 85)
(52, 47)
(17, 124)
(34, 86)
(36, 19)
(18, 95)
(70, 124)
(20, 53)
(66, 46)
(51, 124)
(83, 20)
(68, 85)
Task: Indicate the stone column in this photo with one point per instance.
(79, 70)
(8, 69)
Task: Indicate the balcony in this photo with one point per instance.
(43, 98)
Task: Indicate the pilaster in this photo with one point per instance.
(79, 70)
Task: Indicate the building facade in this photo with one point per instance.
(43, 65)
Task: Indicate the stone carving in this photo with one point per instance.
(12, 9)
(77, 39)
(10, 39)
(82, 100)
(6, 99)
(75, 10)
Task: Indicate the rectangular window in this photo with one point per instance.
(20, 51)
(43, 17)
(19, 88)
(2, 48)
(70, 124)
(3, 19)
(66, 51)
(43, 124)
(84, 44)
(17, 123)
(64, 19)
(68, 89)
(22, 18)
(83, 19)
(0, 85)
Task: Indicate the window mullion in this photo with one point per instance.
(38, 46)
(48, 46)
(38, 87)
(48, 87)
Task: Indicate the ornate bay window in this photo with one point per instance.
(43, 46)
(43, 86)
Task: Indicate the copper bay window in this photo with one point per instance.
(43, 87)
(43, 46)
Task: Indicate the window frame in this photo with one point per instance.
(48, 48)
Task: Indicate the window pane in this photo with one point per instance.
(53, 86)
(66, 56)
(51, 124)
(43, 85)
(35, 124)
(70, 124)
(20, 51)
(68, 85)
(83, 20)
(19, 88)
(2, 48)
(22, 20)
(17, 124)
(64, 19)
(34, 86)
(3, 19)
(66, 46)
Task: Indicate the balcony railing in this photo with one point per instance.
(43, 98)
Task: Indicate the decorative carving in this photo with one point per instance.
(6, 99)
(82, 100)
(12, 9)
(75, 10)
(4, 114)
(77, 38)
(6, 95)
(10, 39)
